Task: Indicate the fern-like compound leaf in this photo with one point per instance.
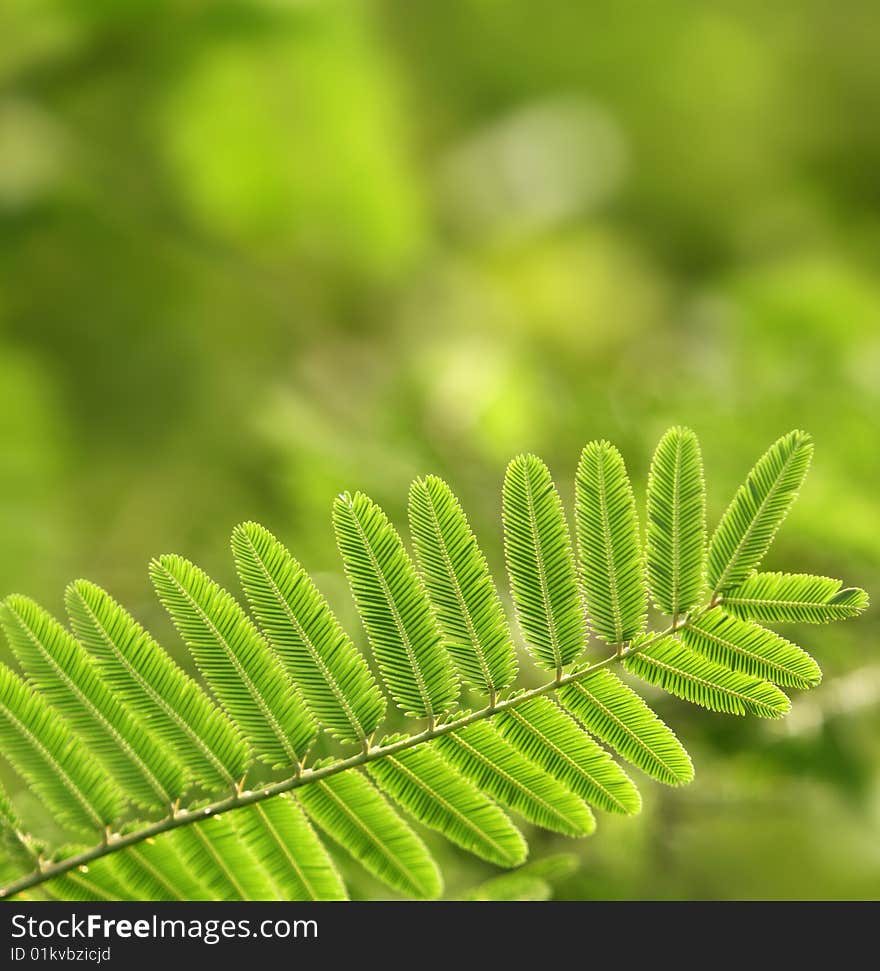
(242, 670)
(156, 691)
(743, 646)
(353, 813)
(401, 626)
(495, 767)
(614, 713)
(547, 736)
(319, 656)
(610, 558)
(676, 523)
(774, 598)
(67, 677)
(295, 860)
(461, 588)
(114, 723)
(75, 787)
(692, 677)
(433, 793)
(760, 505)
(541, 566)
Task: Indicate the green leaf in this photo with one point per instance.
(395, 610)
(744, 646)
(532, 881)
(461, 588)
(18, 853)
(8, 817)
(676, 523)
(279, 834)
(432, 792)
(673, 667)
(540, 564)
(557, 866)
(155, 689)
(241, 668)
(353, 813)
(760, 505)
(226, 865)
(96, 883)
(612, 569)
(151, 870)
(793, 597)
(512, 886)
(268, 852)
(66, 676)
(154, 870)
(319, 656)
(613, 712)
(495, 767)
(551, 739)
(208, 861)
(37, 742)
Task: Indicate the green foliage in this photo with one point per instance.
(546, 735)
(742, 646)
(513, 886)
(676, 523)
(336, 245)
(614, 713)
(757, 510)
(540, 564)
(317, 653)
(155, 690)
(18, 851)
(180, 866)
(215, 854)
(776, 598)
(108, 730)
(675, 668)
(212, 854)
(461, 588)
(433, 793)
(8, 817)
(150, 871)
(44, 751)
(62, 670)
(105, 883)
(495, 767)
(352, 812)
(611, 564)
(236, 661)
(296, 863)
(533, 881)
(390, 595)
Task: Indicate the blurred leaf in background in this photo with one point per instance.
(254, 254)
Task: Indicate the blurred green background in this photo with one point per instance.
(255, 253)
